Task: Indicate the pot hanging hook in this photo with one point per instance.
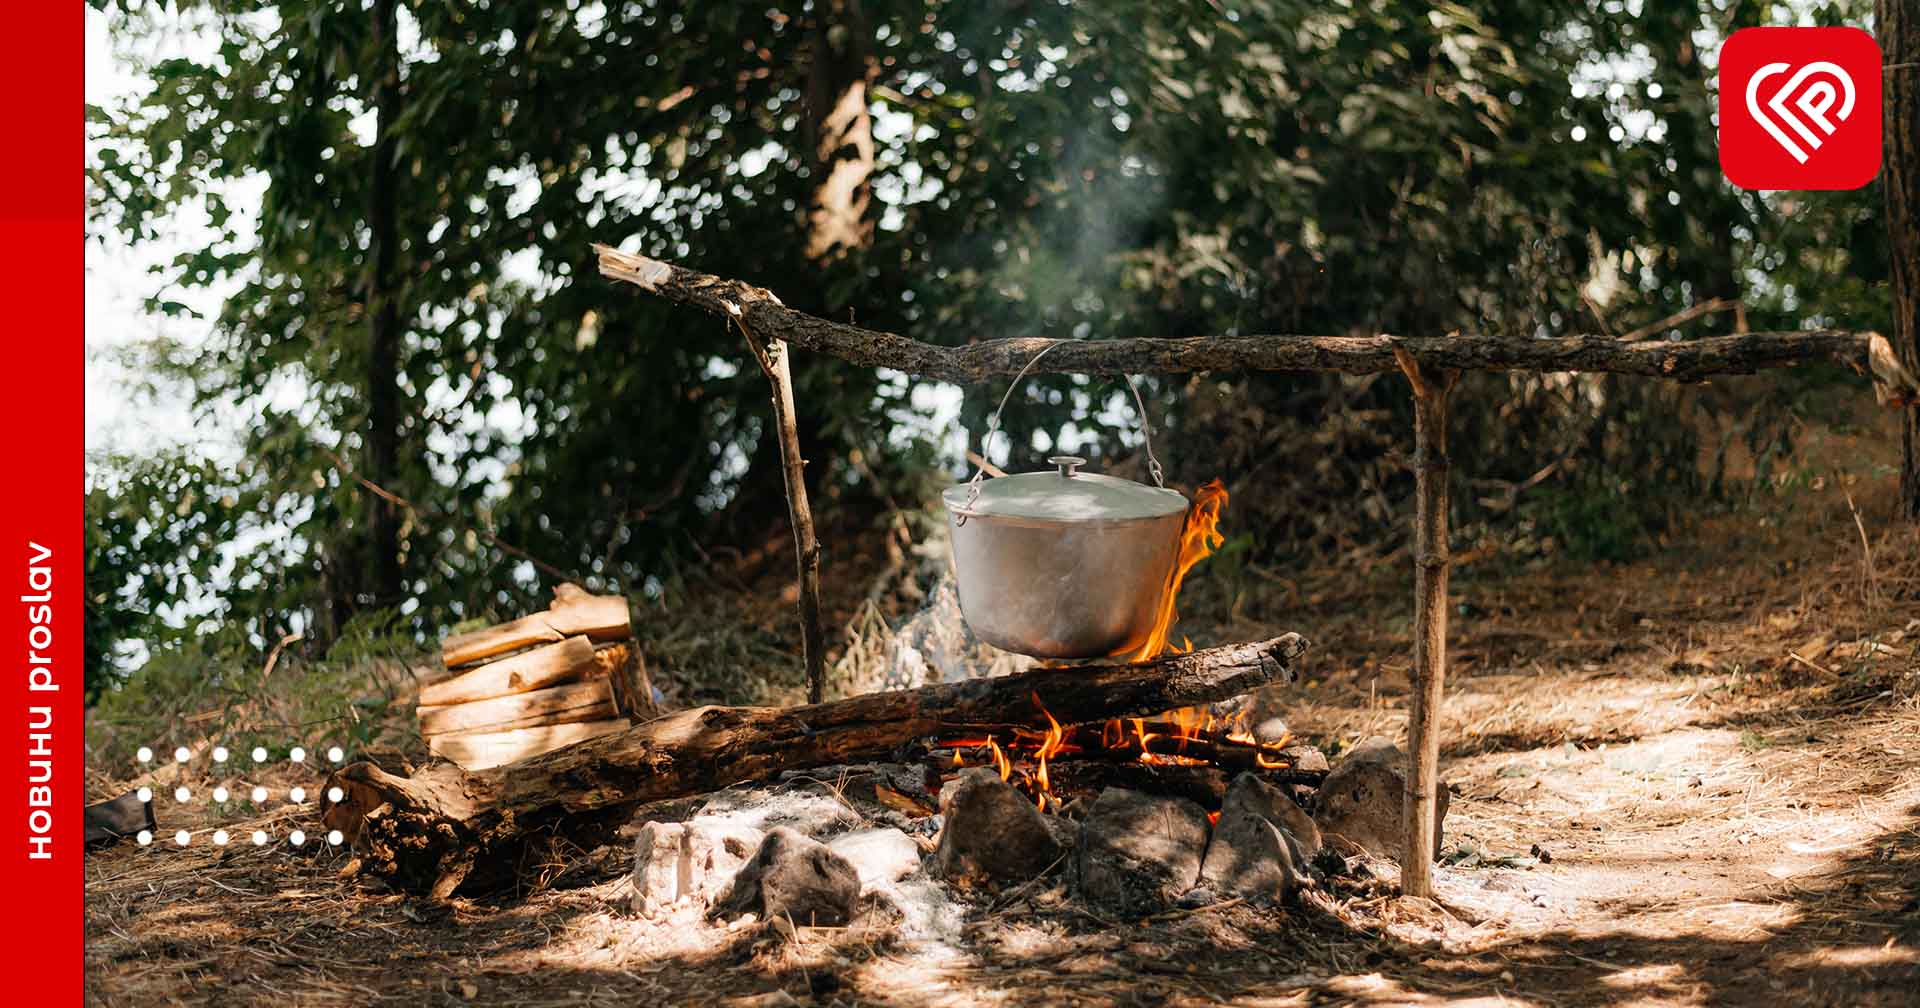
(993, 427)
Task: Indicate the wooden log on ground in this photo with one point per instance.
(1682, 360)
(573, 612)
(569, 660)
(588, 700)
(485, 750)
(445, 829)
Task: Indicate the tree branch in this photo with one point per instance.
(1688, 360)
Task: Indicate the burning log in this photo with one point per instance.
(445, 828)
(1190, 758)
(1127, 740)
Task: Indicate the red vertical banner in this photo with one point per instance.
(42, 209)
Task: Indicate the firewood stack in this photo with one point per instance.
(538, 683)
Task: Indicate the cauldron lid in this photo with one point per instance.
(1065, 495)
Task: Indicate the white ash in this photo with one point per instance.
(819, 816)
(881, 856)
(928, 912)
(682, 869)
(687, 864)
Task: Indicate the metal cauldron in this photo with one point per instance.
(1064, 564)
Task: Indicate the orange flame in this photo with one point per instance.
(1051, 745)
(1198, 538)
(1000, 761)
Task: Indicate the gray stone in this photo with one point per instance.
(1270, 729)
(686, 863)
(991, 832)
(1261, 844)
(1360, 802)
(1306, 757)
(879, 855)
(1250, 857)
(793, 878)
(1272, 804)
(1138, 853)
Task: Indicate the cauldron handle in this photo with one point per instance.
(993, 427)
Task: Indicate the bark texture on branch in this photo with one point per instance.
(444, 829)
(772, 355)
(1688, 360)
(1431, 558)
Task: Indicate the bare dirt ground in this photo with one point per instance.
(1691, 780)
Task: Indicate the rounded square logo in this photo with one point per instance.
(1800, 108)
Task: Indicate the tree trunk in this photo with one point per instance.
(1897, 23)
(381, 436)
(445, 829)
(1431, 390)
(841, 131)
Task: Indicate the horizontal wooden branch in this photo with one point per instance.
(1687, 360)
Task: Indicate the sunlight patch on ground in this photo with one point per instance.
(1889, 954)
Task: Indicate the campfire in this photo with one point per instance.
(1149, 808)
(1188, 736)
(1121, 777)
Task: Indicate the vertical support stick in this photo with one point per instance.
(1431, 559)
(772, 356)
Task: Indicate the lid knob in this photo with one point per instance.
(1068, 464)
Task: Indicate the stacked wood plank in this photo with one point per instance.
(537, 683)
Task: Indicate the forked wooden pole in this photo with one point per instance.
(773, 357)
(1431, 390)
